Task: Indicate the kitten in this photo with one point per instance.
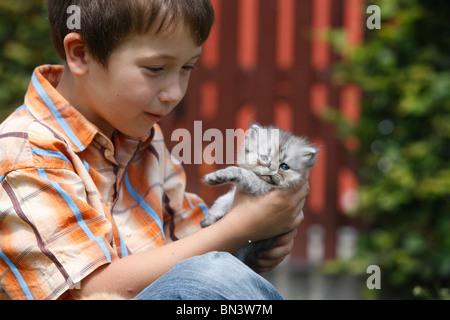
(270, 159)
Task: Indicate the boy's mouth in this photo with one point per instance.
(154, 117)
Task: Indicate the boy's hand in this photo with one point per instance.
(270, 259)
(270, 215)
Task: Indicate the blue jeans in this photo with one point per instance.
(213, 276)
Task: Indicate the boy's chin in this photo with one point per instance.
(143, 134)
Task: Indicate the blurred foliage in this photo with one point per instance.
(25, 43)
(404, 133)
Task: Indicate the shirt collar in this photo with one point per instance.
(144, 142)
(48, 106)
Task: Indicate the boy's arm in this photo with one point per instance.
(130, 275)
(50, 234)
(251, 219)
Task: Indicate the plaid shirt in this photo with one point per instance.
(72, 200)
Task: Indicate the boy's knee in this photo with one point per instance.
(224, 276)
(215, 265)
(213, 276)
(212, 261)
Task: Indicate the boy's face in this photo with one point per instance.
(146, 77)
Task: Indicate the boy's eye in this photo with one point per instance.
(189, 68)
(284, 167)
(155, 69)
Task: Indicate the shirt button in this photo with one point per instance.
(127, 232)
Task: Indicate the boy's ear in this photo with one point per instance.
(76, 54)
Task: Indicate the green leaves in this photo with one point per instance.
(404, 135)
(25, 43)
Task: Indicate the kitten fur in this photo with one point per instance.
(269, 159)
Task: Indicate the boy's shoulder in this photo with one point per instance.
(23, 140)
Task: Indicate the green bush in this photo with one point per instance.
(404, 72)
(25, 43)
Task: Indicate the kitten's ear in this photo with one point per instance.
(252, 132)
(255, 126)
(310, 156)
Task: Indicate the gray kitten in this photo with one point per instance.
(270, 159)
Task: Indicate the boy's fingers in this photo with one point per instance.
(301, 195)
(282, 247)
(286, 238)
(304, 191)
(271, 258)
(298, 220)
(267, 265)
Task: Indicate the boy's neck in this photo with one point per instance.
(65, 82)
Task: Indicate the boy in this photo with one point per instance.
(90, 199)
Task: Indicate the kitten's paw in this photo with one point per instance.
(208, 220)
(215, 178)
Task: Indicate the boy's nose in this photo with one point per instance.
(173, 92)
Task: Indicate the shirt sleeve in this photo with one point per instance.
(50, 237)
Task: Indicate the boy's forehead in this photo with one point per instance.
(177, 45)
(168, 56)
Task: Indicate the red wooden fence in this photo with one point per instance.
(262, 63)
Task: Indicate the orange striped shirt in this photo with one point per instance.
(72, 199)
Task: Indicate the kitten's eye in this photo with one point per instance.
(284, 167)
(263, 158)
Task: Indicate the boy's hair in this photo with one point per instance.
(104, 23)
